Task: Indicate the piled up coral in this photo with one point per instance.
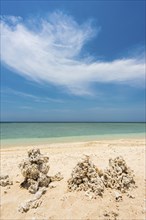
(85, 176)
(35, 169)
(5, 180)
(118, 175)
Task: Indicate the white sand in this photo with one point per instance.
(58, 203)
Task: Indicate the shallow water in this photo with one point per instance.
(14, 134)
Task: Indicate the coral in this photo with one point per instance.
(35, 169)
(112, 215)
(5, 181)
(32, 203)
(85, 176)
(118, 175)
(57, 177)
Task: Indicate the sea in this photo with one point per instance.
(23, 134)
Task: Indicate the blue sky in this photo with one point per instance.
(73, 61)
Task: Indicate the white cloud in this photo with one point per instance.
(49, 49)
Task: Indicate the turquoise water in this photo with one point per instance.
(35, 133)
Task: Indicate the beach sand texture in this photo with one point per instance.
(57, 202)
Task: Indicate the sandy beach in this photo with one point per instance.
(58, 202)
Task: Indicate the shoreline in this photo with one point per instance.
(8, 143)
(65, 144)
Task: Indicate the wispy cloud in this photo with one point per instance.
(34, 98)
(49, 50)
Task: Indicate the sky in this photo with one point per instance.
(73, 61)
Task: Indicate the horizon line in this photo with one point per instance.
(72, 121)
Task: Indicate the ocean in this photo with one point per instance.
(16, 134)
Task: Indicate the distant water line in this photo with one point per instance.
(16, 134)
